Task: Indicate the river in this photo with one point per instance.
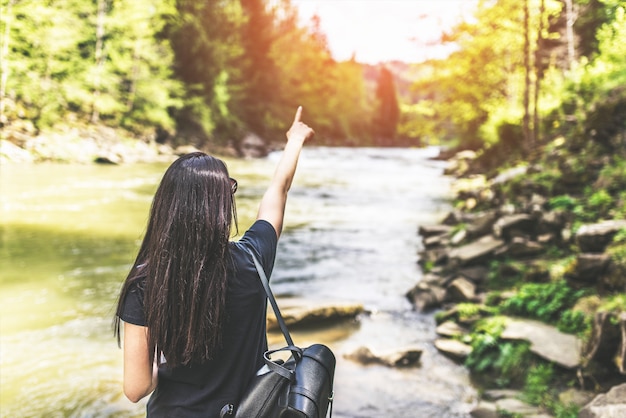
(68, 234)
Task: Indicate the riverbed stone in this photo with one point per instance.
(298, 312)
(404, 357)
(546, 341)
(590, 267)
(609, 405)
(455, 349)
(519, 224)
(451, 329)
(461, 290)
(433, 230)
(515, 406)
(425, 296)
(485, 410)
(476, 251)
(593, 238)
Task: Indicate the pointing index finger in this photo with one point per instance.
(298, 114)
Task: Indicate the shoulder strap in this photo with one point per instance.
(270, 297)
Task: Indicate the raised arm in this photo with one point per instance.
(272, 208)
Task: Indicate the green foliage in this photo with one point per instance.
(545, 302)
(538, 385)
(504, 360)
(564, 202)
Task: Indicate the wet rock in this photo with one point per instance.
(476, 251)
(407, 357)
(515, 406)
(461, 290)
(451, 329)
(427, 231)
(576, 397)
(511, 226)
(485, 410)
(609, 405)
(253, 146)
(425, 296)
(546, 341)
(306, 313)
(455, 349)
(522, 247)
(590, 267)
(593, 238)
(482, 225)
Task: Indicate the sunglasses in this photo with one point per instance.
(233, 185)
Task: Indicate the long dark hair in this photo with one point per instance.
(184, 259)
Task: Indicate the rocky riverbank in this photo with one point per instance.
(484, 266)
(20, 143)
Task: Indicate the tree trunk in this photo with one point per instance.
(99, 53)
(569, 33)
(528, 139)
(538, 73)
(4, 53)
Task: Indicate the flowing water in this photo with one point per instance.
(68, 234)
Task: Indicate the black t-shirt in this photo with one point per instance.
(201, 390)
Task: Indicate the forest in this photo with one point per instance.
(207, 73)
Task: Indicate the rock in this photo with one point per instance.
(435, 241)
(508, 175)
(515, 406)
(451, 329)
(485, 410)
(590, 267)
(546, 341)
(476, 274)
(576, 397)
(593, 238)
(510, 226)
(427, 231)
(424, 296)
(482, 224)
(253, 146)
(461, 290)
(609, 405)
(10, 152)
(522, 247)
(475, 251)
(497, 394)
(458, 237)
(406, 357)
(305, 313)
(453, 348)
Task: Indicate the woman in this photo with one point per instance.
(193, 307)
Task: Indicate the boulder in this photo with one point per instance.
(406, 357)
(451, 329)
(253, 146)
(461, 290)
(427, 231)
(297, 312)
(522, 247)
(604, 340)
(510, 226)
(455, 349)
(515, 407)
(546, 341)
(425, 296)
(482, 224)
(609, 405)
(593, 238)
(576, 397)
(590, 267)
(485, 410)
(475, 252)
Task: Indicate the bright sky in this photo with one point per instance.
(385, 30)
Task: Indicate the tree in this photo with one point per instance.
(387, 112)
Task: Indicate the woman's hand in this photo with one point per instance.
(299, 131)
